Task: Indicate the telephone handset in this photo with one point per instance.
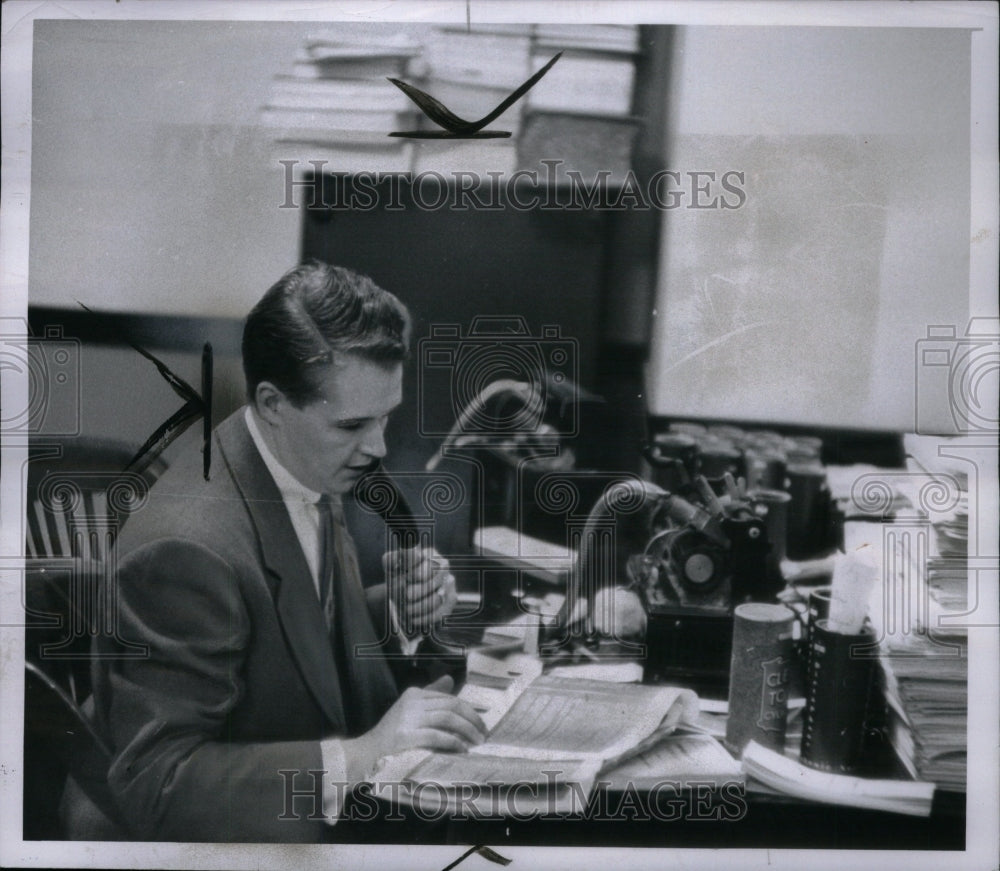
(380, 494)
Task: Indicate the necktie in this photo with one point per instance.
(328, 563)
(330, 587)
(367, 687)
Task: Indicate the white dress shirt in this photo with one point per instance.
(303, 509)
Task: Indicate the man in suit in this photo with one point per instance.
(263, 693)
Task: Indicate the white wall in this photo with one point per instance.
(153, 190)
(805, 305)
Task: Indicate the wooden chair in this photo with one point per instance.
(78, 499)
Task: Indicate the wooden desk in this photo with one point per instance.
(690, 818)
(733, 816)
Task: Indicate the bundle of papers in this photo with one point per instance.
(335, 105)
(606, 38)
(789, 777)
(919, 615)
(926, 687)
(552, 739)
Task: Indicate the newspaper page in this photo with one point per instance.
(586, 719)
(552, 741)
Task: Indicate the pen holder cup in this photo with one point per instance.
(818, 608)
(839, 680)
(819, 605)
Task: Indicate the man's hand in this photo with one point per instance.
(421, 587)
(429, 718)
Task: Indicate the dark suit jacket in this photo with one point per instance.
(238, 682)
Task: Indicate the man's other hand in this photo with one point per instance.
(421, 587)
(429, 718)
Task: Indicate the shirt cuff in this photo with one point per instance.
(335, 779)
(407, 646)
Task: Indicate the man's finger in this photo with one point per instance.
(422, 572)
(417, 589)
(466, 711)
(459, 707)
(403, 559)
(436, 573)
(428, 557)
(426, 591)
(446, 720)
(444, 684)
(435, 739)
(439, 585)
(432, 607)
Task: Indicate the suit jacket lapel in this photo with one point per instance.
(292, 583)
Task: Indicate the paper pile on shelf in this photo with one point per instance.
(471, 71)
(581, 111)
(336, 105)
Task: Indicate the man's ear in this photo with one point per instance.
(270, 403)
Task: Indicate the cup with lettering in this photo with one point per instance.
(759, 676)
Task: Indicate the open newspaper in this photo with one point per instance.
(544, 753)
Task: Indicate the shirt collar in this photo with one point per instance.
(291, 489)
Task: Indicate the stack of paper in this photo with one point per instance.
(926, 686)
(919, 614)
(953, 530)
(606, 38)
(596, 73)
(589, 83)
(480, 57)
(581, 112)
(679, 758)
(862, 490)
(336, 105)
(789, 777)
(471, 71)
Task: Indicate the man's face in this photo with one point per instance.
(329, 443)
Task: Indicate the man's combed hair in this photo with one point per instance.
(311, 313)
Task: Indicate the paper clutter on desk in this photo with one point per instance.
(855, 575)
(787, 776)
(493, 684)
(614, 671)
